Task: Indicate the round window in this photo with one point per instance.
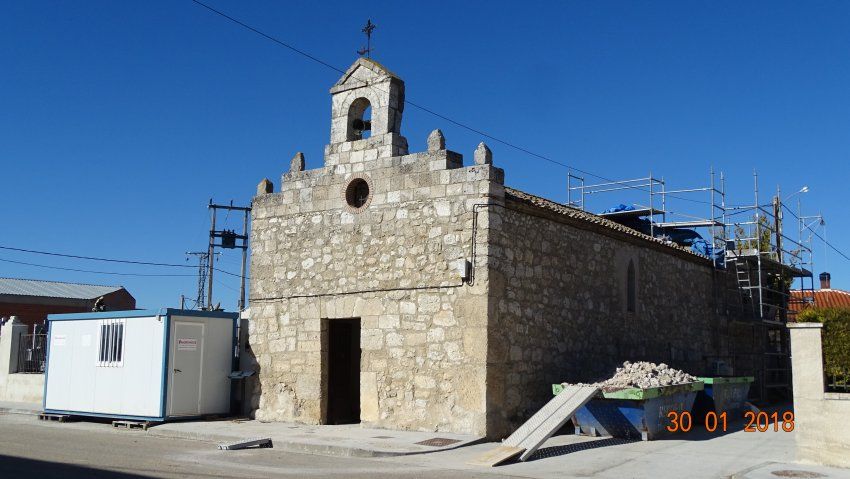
(357, 193)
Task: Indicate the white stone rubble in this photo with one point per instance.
(643, 375)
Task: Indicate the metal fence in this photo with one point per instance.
(32, 351)
(838, 384)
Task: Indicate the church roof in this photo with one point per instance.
(593, 220)
(380, 71)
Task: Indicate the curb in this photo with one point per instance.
(305, 447)
(26, 412)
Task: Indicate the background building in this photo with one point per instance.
(825, 297)
(31, 300)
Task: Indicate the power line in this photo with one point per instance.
(90, 271)
(222, 283)
(110, 260)
(269, 37)
(815, 233)
(423, 108)
(94, 258)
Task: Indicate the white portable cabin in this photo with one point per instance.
(150, 365)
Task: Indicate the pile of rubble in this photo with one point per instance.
(643, 375)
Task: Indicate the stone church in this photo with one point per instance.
(417, 291)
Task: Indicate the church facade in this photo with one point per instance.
(416, 291)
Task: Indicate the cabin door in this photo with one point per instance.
(187, 350)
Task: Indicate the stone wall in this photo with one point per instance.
(397, 264)
(820, 418)
(558, 287)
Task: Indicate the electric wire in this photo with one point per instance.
(90, 271)
(225, 285)
(111, 260)
(428, 110)
(815, 233)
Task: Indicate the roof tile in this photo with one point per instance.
(53, 289)
(576, 213)
(824, 298)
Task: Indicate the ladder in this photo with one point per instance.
(743, 278)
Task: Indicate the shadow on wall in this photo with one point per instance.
(252, 388)
(250, 394)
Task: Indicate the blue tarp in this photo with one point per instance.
(702, 247)
(620, 207)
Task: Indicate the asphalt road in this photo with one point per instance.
(32, 448)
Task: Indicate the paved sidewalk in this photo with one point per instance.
(774, 470)
(697, 455)
(350, 440)
(9, 407)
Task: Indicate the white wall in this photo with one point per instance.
(821, 418)
(76, 383)
(16, 387)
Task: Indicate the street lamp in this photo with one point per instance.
(804, 189)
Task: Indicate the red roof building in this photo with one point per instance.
(825, 297)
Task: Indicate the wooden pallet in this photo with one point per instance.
(53, 417)
(129, 425)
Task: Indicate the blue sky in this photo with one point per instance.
(120, 120)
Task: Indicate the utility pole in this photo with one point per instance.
(777, 218)
(203, 266)
(228, 241)
(210, 250)
(244, 263)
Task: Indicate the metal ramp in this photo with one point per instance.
(527, 438)
(259, 442)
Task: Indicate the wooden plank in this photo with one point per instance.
(575, 398)
(496, 456)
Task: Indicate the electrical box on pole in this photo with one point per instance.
(228, 239)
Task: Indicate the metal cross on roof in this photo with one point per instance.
(368, 29)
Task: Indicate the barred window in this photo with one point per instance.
(111, 351)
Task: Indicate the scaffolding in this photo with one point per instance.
(660, 216)
(766, 261)
(761, 263)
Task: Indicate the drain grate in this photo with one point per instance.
(438, 442)
(382, 437)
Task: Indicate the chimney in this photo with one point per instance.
(824, 280)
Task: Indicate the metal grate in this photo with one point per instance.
(31, 353)
(794, 473)
(838, 383)
(438, 442)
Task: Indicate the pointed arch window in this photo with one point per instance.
(631, 288)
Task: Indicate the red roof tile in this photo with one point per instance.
(824, 298)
